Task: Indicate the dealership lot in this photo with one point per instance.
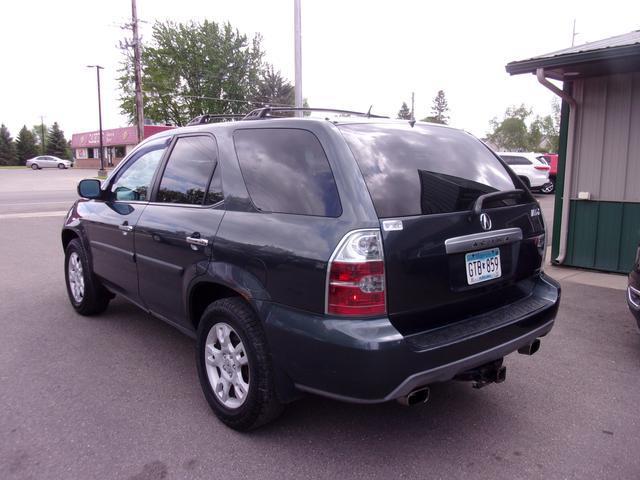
(117, 395)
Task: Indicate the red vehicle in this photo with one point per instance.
(552, 160)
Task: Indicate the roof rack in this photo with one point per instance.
(265, 112)
(213, 118)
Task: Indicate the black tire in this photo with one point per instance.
(96, 298)
(261, 404)
(61, 166)
(550, 187)
(34, 166)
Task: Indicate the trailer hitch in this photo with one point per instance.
(492, 372)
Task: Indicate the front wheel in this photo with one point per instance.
(234, 365)
(86, 294)
(34, 166)
(61, 166)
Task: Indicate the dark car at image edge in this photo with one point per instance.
(633, 289)
(356, 257)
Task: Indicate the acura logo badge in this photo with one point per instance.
(485, 221)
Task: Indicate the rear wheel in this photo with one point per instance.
(34, 166)
(549, 187)
(86, 294)
(234, 365)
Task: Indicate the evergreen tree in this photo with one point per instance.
(439, 109)
(7, 147)
(404, 113)
(56, 143)
(26, 145)
(274, 89)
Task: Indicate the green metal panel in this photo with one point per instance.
(609, 230)
(629, 237)
(603, 235)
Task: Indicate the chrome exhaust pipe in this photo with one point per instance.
(419, 395)
(530, 349)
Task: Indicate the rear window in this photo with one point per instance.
(287, 171)
(423, 170)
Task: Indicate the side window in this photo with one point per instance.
(286, 171)
(214, 195)
(134, 180)
(513, 160)
(186, 176)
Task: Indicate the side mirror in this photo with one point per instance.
(89, 188)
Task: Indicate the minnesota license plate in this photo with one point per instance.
(483, 265)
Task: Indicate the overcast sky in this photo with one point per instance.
(355, 53)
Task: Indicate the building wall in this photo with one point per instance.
(607, 144)
(604, 231)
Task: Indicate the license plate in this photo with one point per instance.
(483, 265)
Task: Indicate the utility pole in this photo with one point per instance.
(102, 172)
(573, 35)
(137, 72)
(298, 54)
(413, 117)
(42, 132)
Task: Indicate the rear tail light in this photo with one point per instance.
(355, 276)
(542, 167)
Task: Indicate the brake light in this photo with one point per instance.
(355, 276)
(542, 167)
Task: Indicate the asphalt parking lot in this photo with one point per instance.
(117, 396)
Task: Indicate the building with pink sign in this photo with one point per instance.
(117, 143)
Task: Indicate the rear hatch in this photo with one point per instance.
(443, 261)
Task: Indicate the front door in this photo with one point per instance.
(174, 235)
(110, 222)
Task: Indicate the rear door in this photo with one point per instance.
(175, 233)
(444, 263)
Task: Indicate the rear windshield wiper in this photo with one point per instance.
(477, 206)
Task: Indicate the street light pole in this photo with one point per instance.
(102, 172)
(297, 34)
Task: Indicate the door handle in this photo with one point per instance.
(202, 242)
(126, 228)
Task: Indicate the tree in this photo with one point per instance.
(56, 143)
(439, 109)
(404, 113)
(274, 89)
(513, 134)
(7, 147)
(26, 145)
(189, 69)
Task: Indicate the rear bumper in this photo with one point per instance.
(369, 361)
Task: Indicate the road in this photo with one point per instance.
(117, 396)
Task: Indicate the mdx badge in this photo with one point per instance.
(485, 221)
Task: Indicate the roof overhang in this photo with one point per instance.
(590, 63)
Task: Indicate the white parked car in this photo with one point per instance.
(531, 167)
(48, 161)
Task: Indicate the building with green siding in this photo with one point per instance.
(597, 204)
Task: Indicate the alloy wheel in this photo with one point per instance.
(76, 277)
(227, 365)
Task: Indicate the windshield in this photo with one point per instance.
(425, 169)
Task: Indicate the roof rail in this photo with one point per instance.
(212, 118)
(265, 112)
